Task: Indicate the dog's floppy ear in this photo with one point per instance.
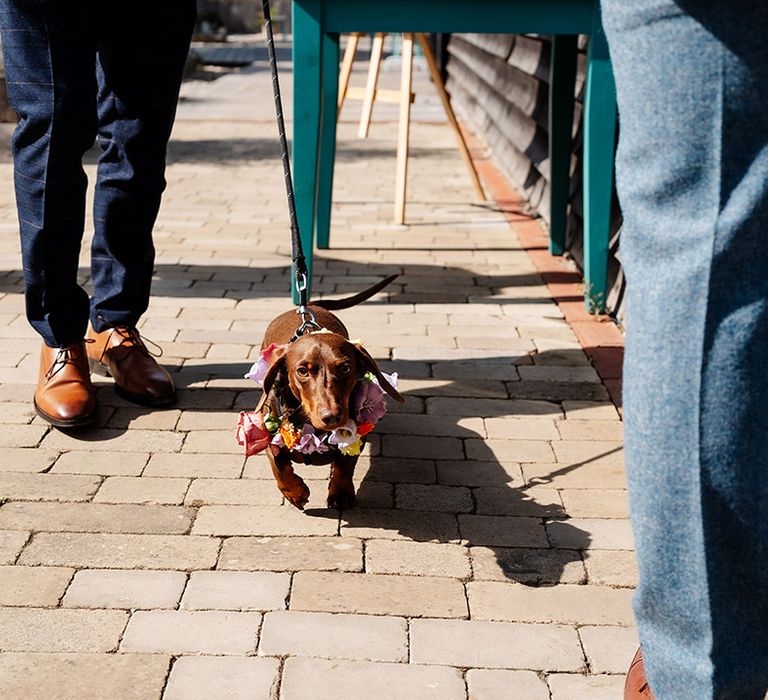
(367, 363)
(276, 365)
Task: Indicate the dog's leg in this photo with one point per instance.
(291, 485)
(341, 490)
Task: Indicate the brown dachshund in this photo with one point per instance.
(310, 383)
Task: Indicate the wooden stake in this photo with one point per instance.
(401, 177)
(370, 88)
(462, 144)
(346, 66)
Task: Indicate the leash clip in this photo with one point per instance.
(308, 322)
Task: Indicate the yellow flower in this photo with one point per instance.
(354, 449)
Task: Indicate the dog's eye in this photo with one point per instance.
(302, 372)
(345, 369)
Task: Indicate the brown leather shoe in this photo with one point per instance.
(636, 686)
(65, 396)
(121, 353)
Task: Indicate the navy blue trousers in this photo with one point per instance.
(80, 71)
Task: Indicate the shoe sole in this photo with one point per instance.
(79, 422)
(142, 400)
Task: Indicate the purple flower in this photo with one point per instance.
(309, 442)
(368, 403)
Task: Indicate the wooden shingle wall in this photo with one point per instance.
(499, 85)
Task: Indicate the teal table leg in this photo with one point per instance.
(599, 141)
(561, 88)
(329, 98)
(307, 85)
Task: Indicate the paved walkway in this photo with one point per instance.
(489, 556)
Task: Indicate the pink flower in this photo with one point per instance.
(368, 403)
(251, 433)
(258, 370)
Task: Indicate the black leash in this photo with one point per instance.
(301, 275)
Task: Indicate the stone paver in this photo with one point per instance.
(596, 503)
(417, 559)
(127, 589)
(609, 649)
(82, 462)
(17, 459)
(194, 465)
(128, 551)
(40, 629)
(400, 524)
(292, 554)
(487, 684)
(95, 517)
(527, 566)
(495, 492)
(264, 521)
(481, 644)
(536, 501)
(186, 632)
(127, 489)
(236, 590)
(337, 680)
(322, 635)
(611, 568)
(571, 686)
(205, 677)
(110, 440)
(17, 486)
(247, 492)
(581, 475)
(76, 676)
(378, 594)
(38, 586)
(582, 533)
(496, 531)
(576, 605)
(446, 499)
(11, 543)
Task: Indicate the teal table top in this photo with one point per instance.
(497, 16)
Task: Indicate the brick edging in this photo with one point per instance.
(599, 337)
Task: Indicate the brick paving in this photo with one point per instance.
(490, 553)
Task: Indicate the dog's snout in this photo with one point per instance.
(331, 417)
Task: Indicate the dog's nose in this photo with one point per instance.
(330, 417)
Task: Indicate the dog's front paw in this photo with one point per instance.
(341, 499)
(297, 495)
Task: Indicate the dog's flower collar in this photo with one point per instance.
(256, 433)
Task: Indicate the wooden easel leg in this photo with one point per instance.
(462, 144)
(401, 177)
(346, 66)
(370, 88)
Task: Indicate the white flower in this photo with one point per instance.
(345, 436)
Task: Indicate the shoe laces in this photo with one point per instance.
(131, 339)
(64, 356)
